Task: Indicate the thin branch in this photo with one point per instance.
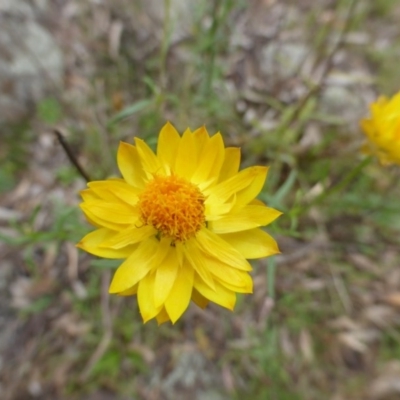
(339, 43)
(70, 154)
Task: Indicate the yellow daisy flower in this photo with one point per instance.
(383, 130)
(185, 221)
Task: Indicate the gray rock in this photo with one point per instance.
(181, 18)
(343, 94)
(16, 8)
(193, 376)
(31, 63)
(284, 59)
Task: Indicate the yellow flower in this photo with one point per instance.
(383, 130)
(185, 221)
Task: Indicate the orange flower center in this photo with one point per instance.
(174, 206)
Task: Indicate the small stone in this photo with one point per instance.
(31, 63)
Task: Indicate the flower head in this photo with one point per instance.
(185, 221)
(383, 130)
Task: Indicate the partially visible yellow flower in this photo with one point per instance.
(383, 130)
(184, 219)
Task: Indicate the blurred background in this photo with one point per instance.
(288, 82)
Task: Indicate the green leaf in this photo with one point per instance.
(106, 264)
(128, 111)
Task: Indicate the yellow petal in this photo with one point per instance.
(187, 158)
(368, 127)
(151, 164)
(165, 277)
(100, 195)
(245, 287)
(129, 164)
(129, 292)
(383, 130)
(135, 267)
(92, 240)
(210, 160)
(224, 273)
(214, 210)
(231, 164)
(167, 146)
(179, 298)
(201, 138)
(162, 316)
(249, 193)
(113, 213)
(199, 299)
(100, 223)
(221, 295)
(252, 244)
(212, 244)
(221, 192)
(197, 260)
(257, 202)
(179, 252)
(248, 217)
(115, 190)
(164, 246)
(89, 195)
(146, 298)
(129, 236)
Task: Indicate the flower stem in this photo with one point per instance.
(165, 42)
(271, 269)
(344, 182)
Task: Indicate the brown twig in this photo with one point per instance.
(70, 154)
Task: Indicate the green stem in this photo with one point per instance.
(271, 269)
(344, 182)
(213, 48)
(165, 41)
